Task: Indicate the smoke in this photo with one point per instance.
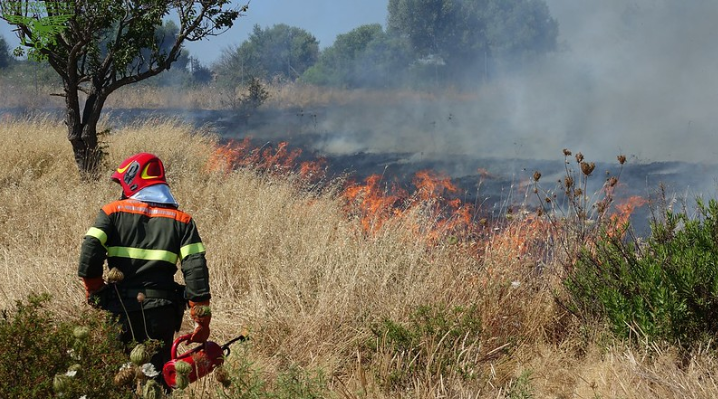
(630, 77)
(633, 77)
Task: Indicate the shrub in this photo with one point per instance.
(444, 342)
(665, 288)
(44, 358)
(246, 381)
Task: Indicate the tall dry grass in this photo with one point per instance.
(290, 266)
(28, 93)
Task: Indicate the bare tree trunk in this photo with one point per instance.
(82, 131)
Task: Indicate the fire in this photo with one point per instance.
(524, 235)
(433, 210)
(624, 210)
(373, 203)
(376, 204)
(280, 160)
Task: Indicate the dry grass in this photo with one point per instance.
(290, 266)
(211, 97)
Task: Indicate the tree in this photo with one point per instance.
(461, 33)
(5, 57)
(280, 51)
(98, 46)
(363, 57)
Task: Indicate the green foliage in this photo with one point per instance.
(281, 51)
(364, 57)
(98, 46)
(664, 289)
(44, 357)
(247, 382)
(437, 340)
(247, 103)
(462, 33)
(5, 57)
(521, 387)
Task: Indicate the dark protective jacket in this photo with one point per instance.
(145, 241)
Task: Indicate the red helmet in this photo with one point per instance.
(139, 171)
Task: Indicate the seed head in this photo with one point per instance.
(75, 368)
(81, 332)
(125, 377)
(181, 381)
(182, 367)
(140, 297)
(587, 168)
(537, 175)
(139, 355)
(579, 157)
(612, 181)
(60, 383)
(152, 390)
(568, 182)
(115, 276)
(222, 376)
(566, 152)
(621, 159)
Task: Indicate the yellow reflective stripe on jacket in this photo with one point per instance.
(97, 233)
(191, 249)
(144, 254)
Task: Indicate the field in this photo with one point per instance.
(338, 301)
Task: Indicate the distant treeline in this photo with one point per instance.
(425, 44)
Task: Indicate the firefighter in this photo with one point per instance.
(142, 236)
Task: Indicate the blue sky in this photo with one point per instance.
(324, 19)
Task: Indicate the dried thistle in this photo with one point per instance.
(566, 152)
(612, 181)
(221, 375)
(579, 157)
(601, 206)
(568, 182)
(115, 276)
(125, 377)
(537, 175)
(587, 168)
(621, 159)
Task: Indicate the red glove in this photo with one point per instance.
(201, 315)
(92, 285)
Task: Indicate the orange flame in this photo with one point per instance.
(280, 160)
(375, 205)
(620, 217)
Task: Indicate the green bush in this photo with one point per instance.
(43, 357)
(245, 381)
(665, 288)
(442, 341)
